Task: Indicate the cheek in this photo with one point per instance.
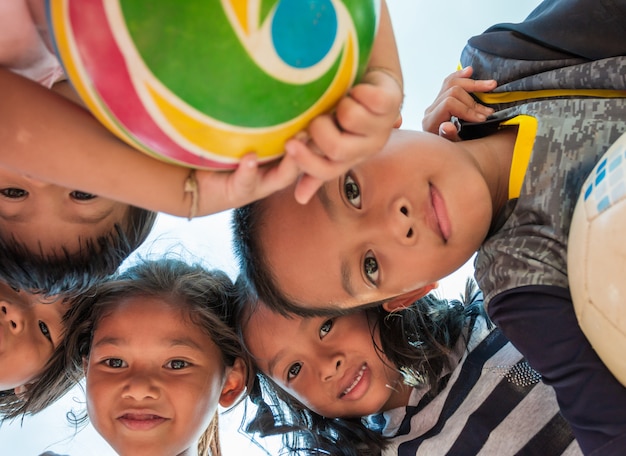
(196, 404)
(98, 395)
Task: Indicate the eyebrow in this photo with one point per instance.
(326, 202)
(346, 282)
(96, 217)
(308, 312)
(272, 363)
(178, 342)
(328, 206)
(281, 353)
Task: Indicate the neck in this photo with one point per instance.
(401, 393)
(493, 155)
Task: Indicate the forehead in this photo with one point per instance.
(299, 242)
(142, 308)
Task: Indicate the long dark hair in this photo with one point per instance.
(207, 298)
(418, 341)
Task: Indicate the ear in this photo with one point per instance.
(398, 122)
(21, 390)
(234, 385)
(407, 299)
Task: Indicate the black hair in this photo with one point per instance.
(208, 300)
(65, 272)
(246, 224)
(418, 341)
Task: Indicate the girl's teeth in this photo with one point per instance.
(356, 381)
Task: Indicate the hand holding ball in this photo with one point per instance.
(203, 82)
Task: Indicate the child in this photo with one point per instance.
(395, 225)
(158, 356)
(52, 239)
(434, 378)
(30, 331)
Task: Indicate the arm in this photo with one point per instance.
(361, 123)
(454, 99)
(541, 323)
(50, 138)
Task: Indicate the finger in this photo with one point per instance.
(350, 116)
(328, 139)
(463, 105)
(310, 162)
(465, 108)
(449, 131)
(306, 188)
(243, 179)
(376, 99)
(278, 175)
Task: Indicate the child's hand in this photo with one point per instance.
(359, 127)
(454, 99)
(219, 191)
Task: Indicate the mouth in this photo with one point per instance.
(355, 382)
(441, 221)
(141, 421)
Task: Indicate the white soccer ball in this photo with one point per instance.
(597, 258)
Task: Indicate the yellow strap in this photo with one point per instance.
(509, 97)
(526, 133)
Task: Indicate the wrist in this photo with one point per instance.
(379, 70)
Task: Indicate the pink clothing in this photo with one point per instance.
(24, 45)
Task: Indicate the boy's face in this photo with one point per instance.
(404, 219)
(330, 365)
(46, 215)
(30, 330)
(153, 378)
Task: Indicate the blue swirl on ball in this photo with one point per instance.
(304, 31)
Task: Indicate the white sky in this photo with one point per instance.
(430, 36)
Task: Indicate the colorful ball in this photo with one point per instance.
(203, 82)
(597, 259)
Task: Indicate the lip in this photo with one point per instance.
(356, 384)
(441, 222)
(141, 420)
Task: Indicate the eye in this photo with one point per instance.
(44, 330)
(115, 363)
(325, 328)
(352, 191)
(82, 196)
(13, 193)
(177, 364)
(370, 268)
(293, 371)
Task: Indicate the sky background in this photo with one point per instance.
(430, 37)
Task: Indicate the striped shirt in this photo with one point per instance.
(493, 403)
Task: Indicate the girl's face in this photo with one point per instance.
(330, 365)
(154, 379)
(30, 330)
(47, 216)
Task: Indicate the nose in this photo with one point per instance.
(140, 386)
(331, 367)
(399, 222)
(13, 317)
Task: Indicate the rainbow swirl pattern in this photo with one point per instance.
(203, 82)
